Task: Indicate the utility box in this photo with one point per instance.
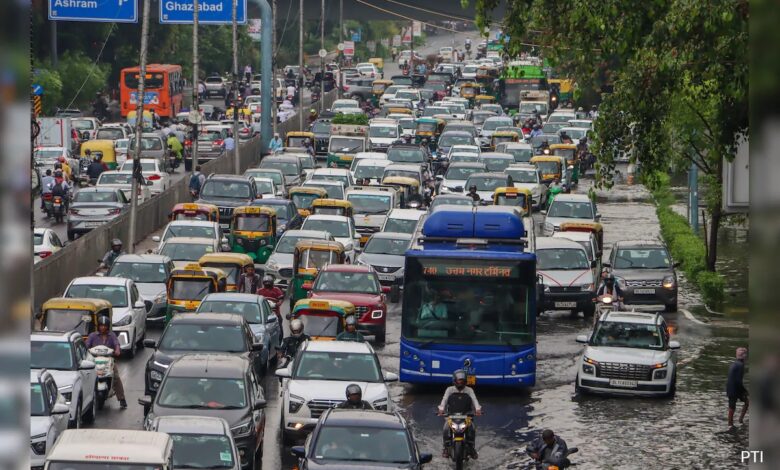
(736, 180)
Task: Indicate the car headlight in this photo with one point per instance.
(659, 374)
(380, 404)
(548, 227)
(361, 262)
(272, 265)
(39, 447)
(586, 287)
(375, 314)
(588, 369)
(588, 360)
(148, 422)
(161, 298)
(669, 282)
(66, 392)
(124, 321)
(242, 429)
(156, 375)
(296, 403)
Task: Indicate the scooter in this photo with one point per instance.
(104, 369)
(48, 204)
(58, 208)
(458, 424)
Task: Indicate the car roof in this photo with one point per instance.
(53, 336)
(373, 162)
(407, 214)
(142, 258)
(467, 165)
(501, 155)
(347, 268)
(190, 240)
(228, 177)
(572, 198)
(632, 317)
(364, 418)
(313, 182)
(100, 280)
(211, 425)
(576, 236)
(639, 243)
(207, 317)
(336, 218)
(272, 201)
(280, 159)
(338, 346)
(213, 365)
(552, 243)
(394, 235)
(233, 296)
(321, 234)
(405, 166)
(456, 133)
(331, 171)
(192, 222)
(487, 174)
(98, 189)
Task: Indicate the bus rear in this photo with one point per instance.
(163, 92)
(470, 300)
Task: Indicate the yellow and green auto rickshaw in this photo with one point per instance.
(594, 227)
(409, 189)
(232, 264)
(322, 319)
(194, 211)
(549, 166)
(187, 286)
(484, 99)
(69, 314)
(469, 91)
(568, 151)
(503, 136)
(378, 88)
(309, 257)
(515, 197)
(428, 128)
(244, 114)
(332, 207)
(253, 231)
(102, 147)
(296, 138)
(304, 196)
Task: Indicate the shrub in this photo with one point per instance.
(353, 119)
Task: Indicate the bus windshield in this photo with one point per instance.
(459, 301)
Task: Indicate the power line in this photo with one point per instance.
(94, 64)
(446, 15)
(406, 17)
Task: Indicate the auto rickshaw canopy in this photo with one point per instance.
(232, 264)
(378, 62)
(327, 252)
(304, 196)
(79, 314)
(322, 319)
(569, 151)
(296, 138)
(469, 90)
(332, 207)
(102, 147)
(378, 87)
(515, 197)
(484, 99)
(594, 227)
(266, 213)
(543, 163)
(194, 211)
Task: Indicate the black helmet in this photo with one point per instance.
(354, 389)
(473, 187)
(116, 242)
(104, 320)
(459, 375)
(58, 173)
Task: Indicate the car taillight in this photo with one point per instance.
(44, 254)
(47, 197)
(219, 142)
(154, 177)
(114, 211)
(346, 88)
(188, 143)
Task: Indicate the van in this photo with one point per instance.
(112, 449)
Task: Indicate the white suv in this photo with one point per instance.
(628, 353)
(318, 377)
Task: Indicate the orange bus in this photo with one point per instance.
(164, 89)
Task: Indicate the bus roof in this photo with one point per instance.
(487, 222)
(154, 68)
(111, 446)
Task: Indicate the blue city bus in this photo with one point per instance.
(470, 299)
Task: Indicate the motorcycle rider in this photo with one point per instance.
(473, 193)
(175, 145)
(549, 449)
(610, 287)
(95, 168)
(47, 183)
(350, 332)
(460, 399)
(290, 344)
(112, 254)
(354, 399)
(273, 294)
(104, 337)
(537, 130)
(60, 188)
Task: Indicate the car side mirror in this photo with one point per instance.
(426, 458)
(271, 318)
(594, 263)
(257, 347)
(86, 365)
(298, 451)
(140, 304)
(259, 404)
(145, 401)
(283, 373)
(674, 345)
(582, 339)
(597, 217)
(439, 178)
(390, 376)
(349, 247)
(543, 212)
(60, 409)
(156, 239)
(676, 264)
(150, 343)
(606, 265)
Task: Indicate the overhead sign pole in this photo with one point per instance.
(139, 122)
(237, 161)
(195, 85)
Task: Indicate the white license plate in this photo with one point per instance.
(644, 291)
(224, 226)
(384, 277)
(92, 224)
(565, 304)
(622, 383)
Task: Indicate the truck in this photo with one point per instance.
(56, 132)
(346, 140)
(523, 80)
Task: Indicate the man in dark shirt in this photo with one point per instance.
(355, 399)
(249, 281)
(104, 337)
(735, 390)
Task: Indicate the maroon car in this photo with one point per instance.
(359, 285)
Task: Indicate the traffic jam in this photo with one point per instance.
(413, 280)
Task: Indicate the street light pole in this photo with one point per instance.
(322, 59)
(300, 64)
(195, 84)
(236, 159)
(139, 120)
(274, 51)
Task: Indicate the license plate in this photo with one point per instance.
(622, 383)
(385, 277)
(92, 224)
(565, 304)
(471, 380)
(224, 226)
(644, 291)
(57, 205)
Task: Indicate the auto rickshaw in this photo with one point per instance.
(148, 119)
(405, 111)
(187, 286)
(515, 197)
(484, 99)
(503, 136)
(469, 91)
(194, 211)
(304, 196)
(232, 264)
(322, 320)
(378, 88)
(379, 63)
(594, 227)
(67, 314)
(409, 188)
(332, 207)
(102, 147)
(428, 128)
(253, 231)
(296, 139)
(244, 114)
(310, 256)
(568, 151)
(549, 166)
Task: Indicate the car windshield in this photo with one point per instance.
(43, 153)
(99, 466)
(550, 259)
(287, 243)
(522, 176)
(369, 203)
(51, 355)
(115, 178)
(383, 131)
(369, 171)
(628, 335)
(332, 281)
(362, 444)
(407, 95)
(548, 168)
(530, 107)
(497, 164)
(521, 155)
(265, 187)
(67, 320)
(466, 158)
(400, 225)
(190, 288)
(205, 451)
(251, 311)
(337, 366)
(147, 143)
(405, 155)
(203, 337)
(479, 118)
(553, 127)
(95, 196)
(186, 251)
(153, 273)
(274, 176)
(450, 140)
(461, 173)
(491, 124)
(37, 239)
(226, 189)
(321, 127)
(556, 117)
(82, 124)
(252, 223)
(346, 144)
(109, 134)
(287, 168)
(198, 231)
(538, 140)
(576, 133)
(387, 246)
(642, 258)
(116, 295)
(486, 183)
(201, 392)
(458, 201)
(404, 173)
(337, 228)
(334, 191)
(571, 210)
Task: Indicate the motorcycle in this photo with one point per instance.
(104, 369)
(458, 424)
(48, 204)
(548, 466)
(172, 162)
(58, 208)
(605, 304)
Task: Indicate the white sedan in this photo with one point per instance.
(124, 180)
(45, 243)
(152, 171)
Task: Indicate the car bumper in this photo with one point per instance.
(660, 295)
(567, 300)
(84, 224)
(600, 385)
(37, 461)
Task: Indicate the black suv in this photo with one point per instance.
(191, 333)
(345, 437)
(228, 192)
(646, 273)
(215, 385)
(321, 130)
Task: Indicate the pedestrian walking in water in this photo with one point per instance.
(735, 389)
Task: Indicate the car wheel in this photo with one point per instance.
(381, 337)
(89, 418)
(75, 423)
(577, 389)
(395, 293)
(140, 342)
(71, 236)
(133, 348)
(671, 308)
(673, 388)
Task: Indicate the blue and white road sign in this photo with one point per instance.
(102, 11)
(37, 90)
(209, 11)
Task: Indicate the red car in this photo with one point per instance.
(360, 286)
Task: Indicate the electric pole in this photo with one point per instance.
(237, 161)
(322, 59)
(273, 66)
(195, 84)
(300, 64)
